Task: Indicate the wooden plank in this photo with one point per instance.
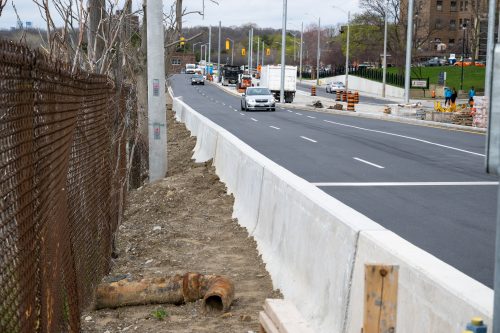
(285, 316)
(266, 324)
(381, 291)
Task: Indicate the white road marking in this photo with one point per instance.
(406, 137)
(311, 117)
(299, 114)
(408, 184)
(224, 104)
(242, 114)
(235, 110)
(369, 163)
(276, 128)
(254, 119)
(290, 111)
(306, 138)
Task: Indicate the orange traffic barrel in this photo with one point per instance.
(337, 97)
(350, 102)
(344, 96)
(356, 97)
(313, 91)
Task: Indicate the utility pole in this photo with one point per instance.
(463, 57)
(218, 53)
(384, 61)
(283, 49)
(258, 51)
(347, 54)
(251, 53)
(319, 51)
(157, 124)
(209, 44)
(301, 42)
(248, 51)
(409, 46)
(263, 50)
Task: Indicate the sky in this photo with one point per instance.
(264, 13)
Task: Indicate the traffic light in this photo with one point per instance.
(243, 52)
(227, 44)
(183, 41)
(268, 51)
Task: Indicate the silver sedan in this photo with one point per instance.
(258, 98)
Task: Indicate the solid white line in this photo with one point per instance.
(254, 119)
(406, 137)
(408, 184)
(306, 138)
(299, 114)
(369, 163)
(311, 117)
(277, 128)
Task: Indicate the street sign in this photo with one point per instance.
(442, 78)
(420, 83)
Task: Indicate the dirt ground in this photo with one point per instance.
(184, 224)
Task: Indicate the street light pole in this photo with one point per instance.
(195, 45)
(463, 58)
(263, 48)
(318, 55)
(283, 49)
(409, 46)
(258, 52)
(384, 62)
(218, 53)
(157, 125)
(209, 43)
(301, 42)
(347, 54)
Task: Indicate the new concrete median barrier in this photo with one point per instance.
(315, 247)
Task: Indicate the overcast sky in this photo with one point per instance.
(264, 13)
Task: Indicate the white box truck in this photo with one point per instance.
(270, 77)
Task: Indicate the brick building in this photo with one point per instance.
(176, 62)
(450, 26)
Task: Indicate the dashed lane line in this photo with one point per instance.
(276, 128)
(308, 139)
(254, 119)
(369, 163)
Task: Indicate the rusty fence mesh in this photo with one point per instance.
(63, 165)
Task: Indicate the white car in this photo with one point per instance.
(333, 87)
(258, 98)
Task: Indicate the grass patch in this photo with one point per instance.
(160, 314)
(473, 76)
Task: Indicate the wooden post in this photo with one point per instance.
(381, 295)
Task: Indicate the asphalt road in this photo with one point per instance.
(428, 185)
(321, 91)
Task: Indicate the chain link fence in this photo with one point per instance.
(63, 167)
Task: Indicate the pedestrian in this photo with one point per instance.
(447, 96)
(472, 93)
(453, 96)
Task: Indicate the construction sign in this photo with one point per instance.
(227, 44)
(259, 68)
(243, 52)
(268, 51)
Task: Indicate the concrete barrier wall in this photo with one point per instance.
(369, 86)
(315, 247)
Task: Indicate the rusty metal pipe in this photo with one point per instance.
(216, 291)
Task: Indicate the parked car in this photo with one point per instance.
(197, 79)
(258, 98)
(332, 87)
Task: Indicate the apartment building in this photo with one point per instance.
(443, 27)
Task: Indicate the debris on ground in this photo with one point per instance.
(337, 106)
(317, 104)
(184, 224)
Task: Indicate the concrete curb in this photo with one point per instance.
(386, 117)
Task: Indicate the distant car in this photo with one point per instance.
(433, 62)
(258, 98)
(197, 79)
(333, 87)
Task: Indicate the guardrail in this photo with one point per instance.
(316, 248)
